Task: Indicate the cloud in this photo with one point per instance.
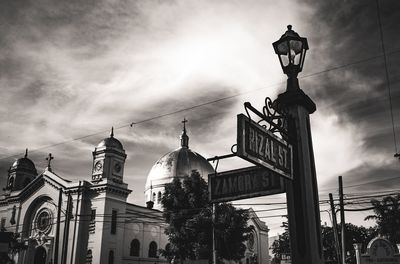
(70, 69)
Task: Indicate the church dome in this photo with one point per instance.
(178, 163)
(110, 142)
(24, 163)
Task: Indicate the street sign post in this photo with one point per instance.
(263, 148)
(244, 183)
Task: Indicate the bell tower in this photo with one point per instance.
(108, 160)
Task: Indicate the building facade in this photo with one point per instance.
(90, 221)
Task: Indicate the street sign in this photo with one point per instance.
(244, 183)
(263, 148)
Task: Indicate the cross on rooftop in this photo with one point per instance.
(49, 158)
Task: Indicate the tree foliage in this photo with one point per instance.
(354, 234)
(189, 218)
(281, 246)
(387, 217)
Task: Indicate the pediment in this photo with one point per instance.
(256, 221)
(48, 180)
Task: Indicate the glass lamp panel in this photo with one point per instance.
(296, 46)
(296, 59)
(283, 48)
(284, 59)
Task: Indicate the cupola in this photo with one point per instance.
(21, 173)
(108, 160)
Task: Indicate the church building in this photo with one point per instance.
(90, 221)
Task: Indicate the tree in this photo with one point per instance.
(354, 234)
(189, 218)
(281, 246)
(387, 217)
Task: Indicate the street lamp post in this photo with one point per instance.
(302, 191)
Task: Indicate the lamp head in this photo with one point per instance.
(291, 50)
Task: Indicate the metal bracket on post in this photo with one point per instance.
(217, 158)
(272, 119)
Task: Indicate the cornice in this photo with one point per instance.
(109, 189)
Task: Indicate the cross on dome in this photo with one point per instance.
(184, 136)
(184, 121)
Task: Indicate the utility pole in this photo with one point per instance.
(66, 230)
(57, 236)
(342, 221)
(335, 230)
(213, 235)
(73, 251)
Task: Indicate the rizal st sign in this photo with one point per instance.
(263, 148)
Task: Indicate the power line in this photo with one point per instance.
(206, 103)
(387, 78)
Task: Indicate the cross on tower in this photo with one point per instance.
(49, 158)
(184, 137)
(184, 123)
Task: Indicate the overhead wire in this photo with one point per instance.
(202, 104)
(387, 78)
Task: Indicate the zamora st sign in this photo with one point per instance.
(244, 183)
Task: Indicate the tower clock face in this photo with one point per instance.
(117, 167)
(98, 166)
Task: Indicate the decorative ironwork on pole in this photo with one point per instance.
(273, 118)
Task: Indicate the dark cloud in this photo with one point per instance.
(367, 177)
(348, 32)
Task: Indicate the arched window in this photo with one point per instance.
(168, 247)
(89, 257)
(159, 197)
(111, 257)
(153, 249)
(135, 248)
(154, 197)
(10, 182)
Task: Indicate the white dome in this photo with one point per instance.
(178, 163)
(175, 164)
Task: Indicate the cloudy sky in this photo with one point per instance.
(72, 69)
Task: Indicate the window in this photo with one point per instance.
(153, 250)
(168, 247)
(154, 197)
(159, 197)
(92, 223)
(89, 257)
(11, 183)
(3, 224)
(44, 220)
(114, 222)
(111, 257)
(135, 248)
